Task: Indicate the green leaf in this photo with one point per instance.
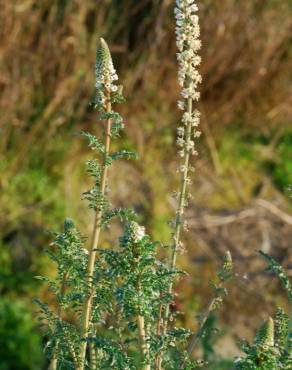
(279, 271)
(94, 142)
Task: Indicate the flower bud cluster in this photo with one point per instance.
(265, 335)
(105, 73)
(188, 44)
(184, 141)
(135, 232)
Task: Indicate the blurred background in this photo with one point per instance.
(241, 199)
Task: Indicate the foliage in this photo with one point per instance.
(205, 332)
(268, 351)
(272, 346)
(279, 271)
(282, 170)
(20, 344)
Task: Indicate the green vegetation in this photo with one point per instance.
(245, 155)
(272, 347)
(20, 344)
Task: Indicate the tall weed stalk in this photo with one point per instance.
(188, 44)
(105, 78)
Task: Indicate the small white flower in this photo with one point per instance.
(195, 121)
(180, 131)
(137, 231)
(190, 145)
(197, 134)
(180, 142)
(186, 118)
(182, 168)
(181, 105)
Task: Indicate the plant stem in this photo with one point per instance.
(179, 214)
(158, 333)
(93, 358)
(196, 336)
(142, 334)
(73, 354)
(289, 340)
(94, 243)
(53, 363)
(142, 339)
(54, 360)
(178, 222)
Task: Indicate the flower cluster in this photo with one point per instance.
(105, 73)
(138, 232)
(134, 232)
(265, 334)
(188, 44)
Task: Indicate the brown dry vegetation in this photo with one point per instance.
(47, 80)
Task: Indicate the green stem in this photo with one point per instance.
(196, 336)
(157, 365)
(289, 336)
(142, 330)
(142, 339)
(178, 222)
(93, 357)
(72, 352)
(94, 243)
(54, 361)
(180, 212)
